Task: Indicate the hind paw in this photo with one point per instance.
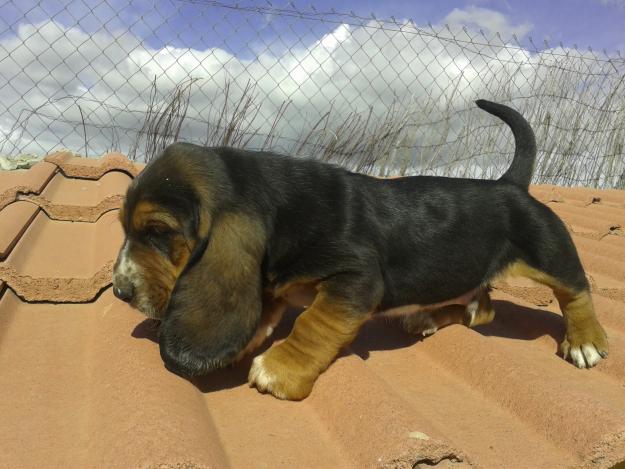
(419, 324)
(585, 350)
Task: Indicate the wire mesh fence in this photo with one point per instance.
(382, 96)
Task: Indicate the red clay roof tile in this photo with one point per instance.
(92, 168)
(86, 382)
(14, 219)
(81, 199)
(63, 261)
(22, 181)
(79, 391)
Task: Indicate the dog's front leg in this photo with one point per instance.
(289, 370)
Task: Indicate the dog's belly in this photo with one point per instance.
(462, 300)
(299, 295)
(302, 296)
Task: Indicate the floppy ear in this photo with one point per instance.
(216, 304)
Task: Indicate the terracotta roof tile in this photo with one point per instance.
(14, 219)
(580, 195)
(63, 261)
(86, 382)
(81, 199)
(79, 391)
(22, 181)
(92, 168)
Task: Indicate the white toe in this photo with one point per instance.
(258, 374)
(591, 354)
(264, 380)
(577, 357)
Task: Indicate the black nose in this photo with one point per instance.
(123, 293)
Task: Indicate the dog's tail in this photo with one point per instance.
(522, 167)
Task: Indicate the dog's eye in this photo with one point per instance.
(159, 237)
(158, 231)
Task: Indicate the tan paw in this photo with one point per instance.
(585, 348)
(279, 373)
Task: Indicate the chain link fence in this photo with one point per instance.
(386, 97)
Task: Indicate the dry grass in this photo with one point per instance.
(580, 135)
(163, 120)
(443, 135)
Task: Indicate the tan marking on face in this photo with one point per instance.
(157, 279)
(154, 273)
(149, 215)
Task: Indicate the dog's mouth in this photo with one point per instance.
(150, 306)
(148, 311)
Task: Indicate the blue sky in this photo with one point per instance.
(596, 23)
(194, 23)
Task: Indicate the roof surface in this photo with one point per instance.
(82, 383)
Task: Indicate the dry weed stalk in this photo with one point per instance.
(163, 119)
(438, 134)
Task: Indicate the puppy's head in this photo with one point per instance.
(164, 221)
(190, 259)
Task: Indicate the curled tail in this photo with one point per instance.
(522, 167)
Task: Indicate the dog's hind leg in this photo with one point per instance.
(585, 342)
(478, 311)
(548, 256)
(427, 323)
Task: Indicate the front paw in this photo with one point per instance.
(279, 372)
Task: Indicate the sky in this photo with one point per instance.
(594, 23)
(62, 62)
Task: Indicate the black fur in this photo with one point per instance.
(522, 167)
(380, 243)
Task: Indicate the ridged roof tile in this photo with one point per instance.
(83, 384)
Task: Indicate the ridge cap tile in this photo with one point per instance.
(92, 168)
(83, 200)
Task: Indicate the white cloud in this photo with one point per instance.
(352, 68)
(618, 3)
(486, 19)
